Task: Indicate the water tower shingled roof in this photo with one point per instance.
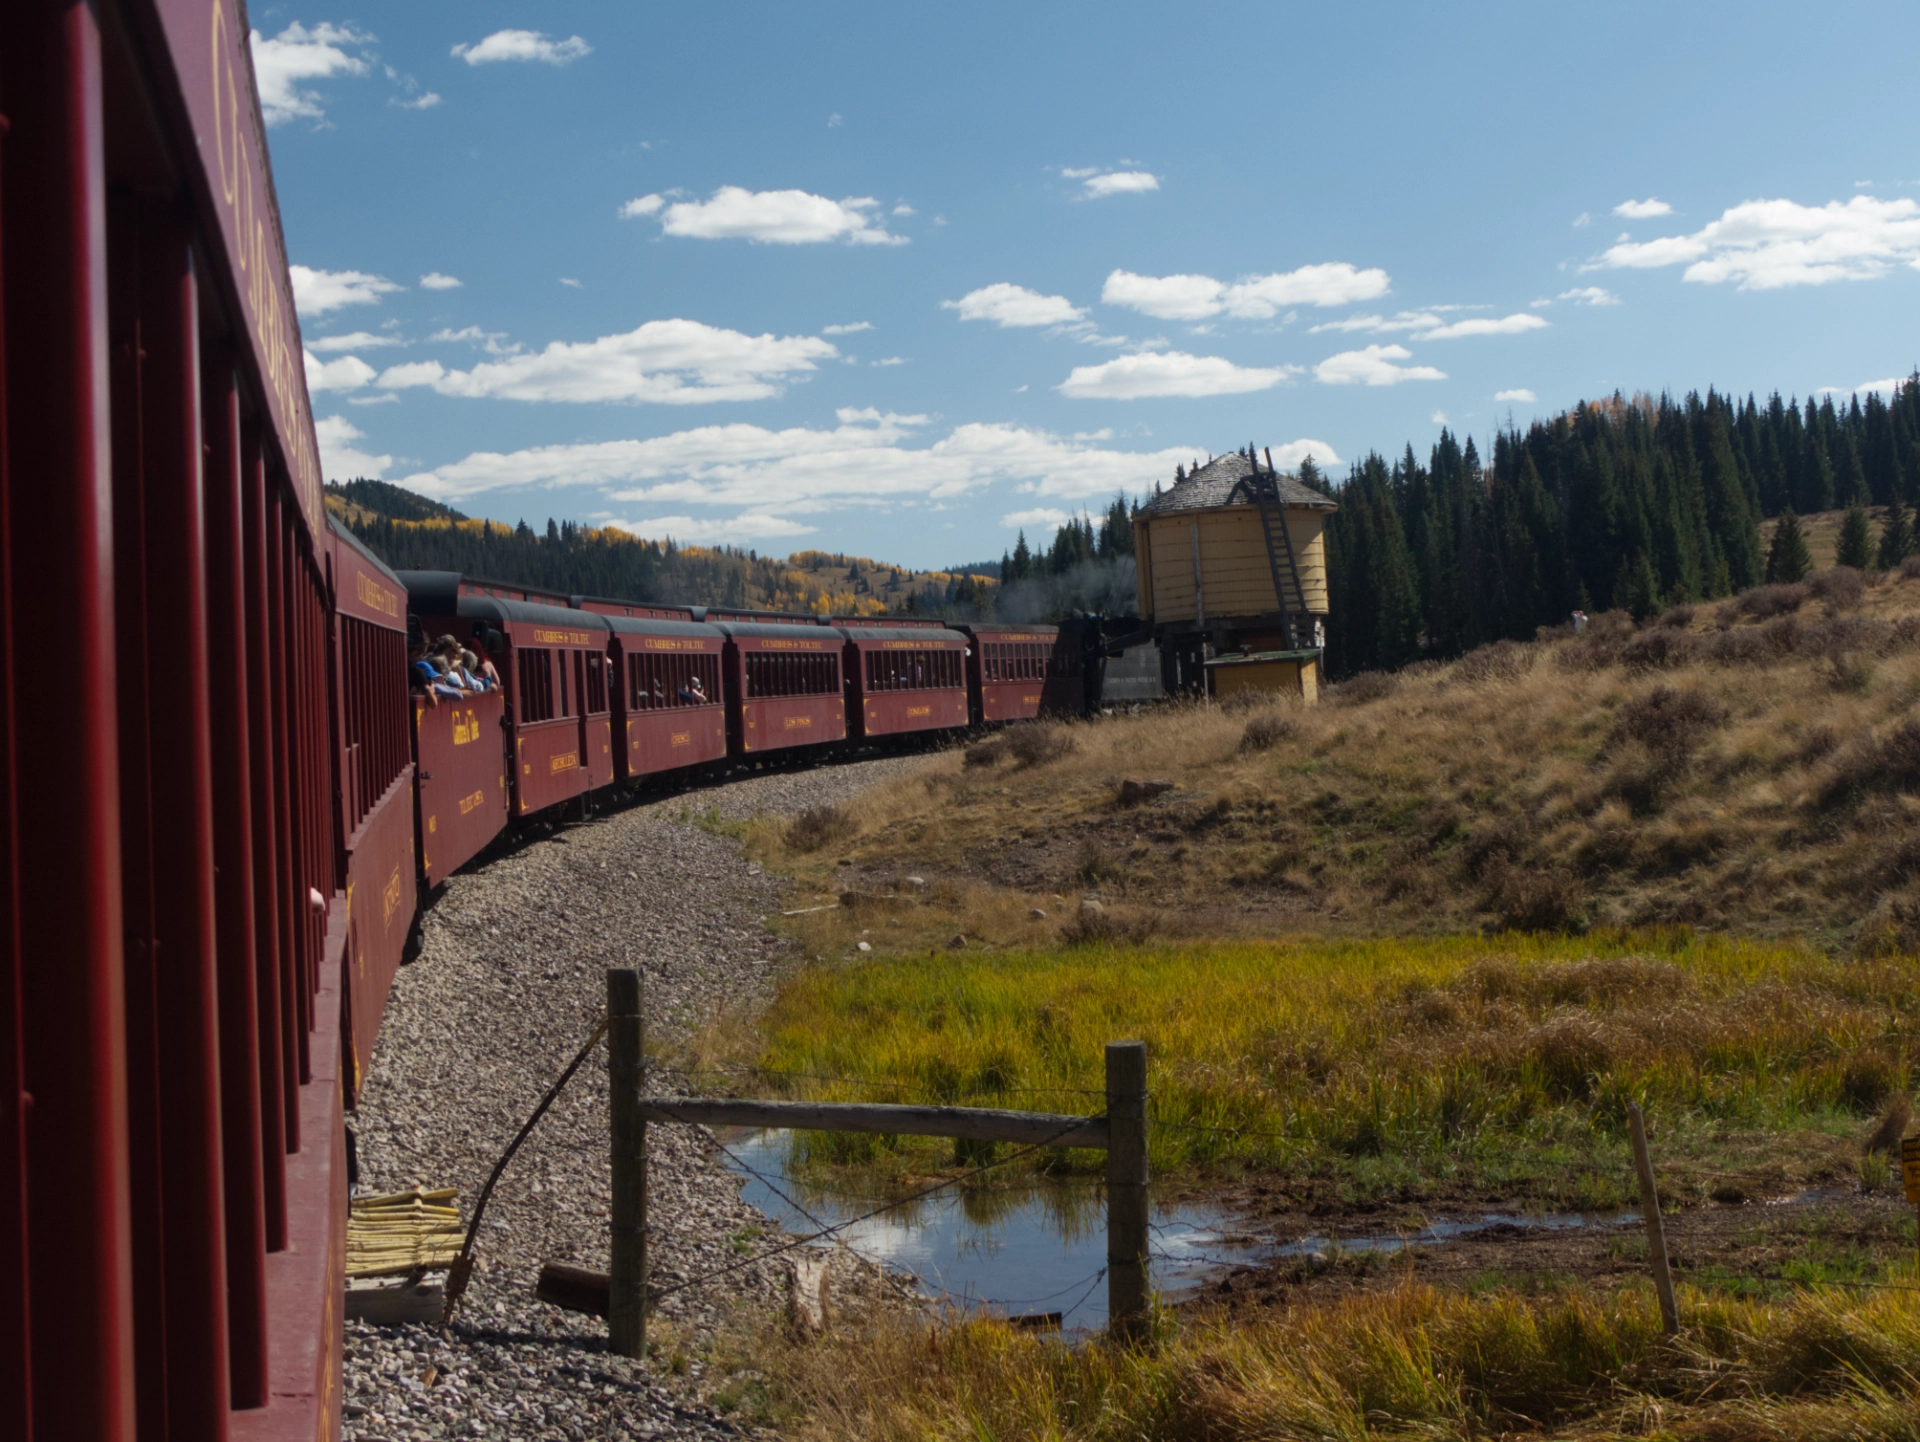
(1212, 485)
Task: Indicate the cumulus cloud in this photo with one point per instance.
(1008, 305)
(1642, 209)
(771, 217)
(357, 340)
(668, 362)
(348, 373)
(493, 342)
(1258, 297)
(419, 102)
(341, 458)
(1170, 373)
(1589, 295)
(298, 54)
(1432, 325)
(869, 458)
(1119, 182)
(433, 280)
(851, 329)
(1040, 517)
(315, 292)
(713, 530)
(505, 45)
(1773, 244)
(1519, 394)
(1881, 387)
(1377, 365)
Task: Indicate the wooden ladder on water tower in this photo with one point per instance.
(1264, 487)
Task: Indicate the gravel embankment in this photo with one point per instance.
(510, 983)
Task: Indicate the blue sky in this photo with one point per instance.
(899, 279)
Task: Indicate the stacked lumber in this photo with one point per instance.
(403, 1232)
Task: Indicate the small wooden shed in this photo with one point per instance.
(1233, 560)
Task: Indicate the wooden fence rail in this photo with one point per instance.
(1121, 1133)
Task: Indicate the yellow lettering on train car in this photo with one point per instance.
(673, 643)
(563, 638)
(913, 711)
(376, 597)
(1031, 700)
(921, 645)
(390, 896)
(797, 723)
(465, 728)
(433, 824)
(566, 761)
(682, 738)
(792, 645)
(469, 803)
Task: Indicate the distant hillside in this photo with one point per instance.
(410, 532)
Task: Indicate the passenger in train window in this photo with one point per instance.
(693, 693)
(443, 682)
(421, 675)
(471, 675)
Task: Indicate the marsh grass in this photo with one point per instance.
(1411, 1361)
(1399, 1068)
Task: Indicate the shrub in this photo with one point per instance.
(990, 752)
(1263, 733)
(1763, 602)
(1523, 899)
(1671, 724)
(1103, 928)
(1500, 661)
(1890, 762)
(1842, 588)
(1661, 648)
(1677, 617)
(1909, 568)
(816, 827)
(1035, 745)
(1367, 686)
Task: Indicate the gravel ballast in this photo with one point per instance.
(509, 984)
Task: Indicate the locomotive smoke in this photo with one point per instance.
(1108, 587)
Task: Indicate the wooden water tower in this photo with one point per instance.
(1233, 578)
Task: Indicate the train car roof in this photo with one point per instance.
(901, 635)
(437, 593)
(997, 628)
(342, 533)
(892, 623)
(753, 630)
(657, 626)
(741, 615)
(602, 605)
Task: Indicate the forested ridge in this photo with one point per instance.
(1631, 504)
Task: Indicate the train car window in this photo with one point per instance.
(535, 701)
(596, 684)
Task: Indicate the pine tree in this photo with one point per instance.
(1022, 567)
(1855, 547)
(1896, 535)
(1788, 559)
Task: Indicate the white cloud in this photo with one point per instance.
(1589, 295)
(358, 340)
(340, 458)
(835, 121)
(1772, 244)
(710, 530)
(892, 360)
(870, 458)
(1430, 324)
(853, 329)
(299, 54)
(670, 362)
(1583, 218)
(568, 280)
(1519, 394)
(1259, 297)
(505, 45)
(903, 209)
(1289, 456)
(1439, 418)
(1374, 366)
(493, 342)
(1039, 517)
(433, 280)
(1079, 172)
(419, 102)
(1008, 305)
(315, 292)
(348, 373)
(1642, 209)
(1882, 387)
(771, 217)
(1169, 373)
(1120, 182)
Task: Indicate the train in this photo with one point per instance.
(220, 806)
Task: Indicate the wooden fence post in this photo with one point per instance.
(626, 1303)
(1126, 1187)
(1650, 1209)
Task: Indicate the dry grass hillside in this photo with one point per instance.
(1751, 766)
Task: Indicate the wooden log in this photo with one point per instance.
(627, 1287)
(1127, 1296)
(1650, 1209)
(807, 1292)
(974, 1124)
(395, 1306)
(577, 1289)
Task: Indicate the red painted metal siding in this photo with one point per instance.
(463, 792)
(812, 712)
(906, 683)
(661, 728)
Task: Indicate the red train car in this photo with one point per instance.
(783, 686)
(669, 710)
(904, 676)
(1016, 673)
(553, 661)
(461, 795)
(182, 803)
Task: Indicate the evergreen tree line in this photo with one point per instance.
(1635, 504)
(1076, 543)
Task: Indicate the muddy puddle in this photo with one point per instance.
(1037, 1250)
